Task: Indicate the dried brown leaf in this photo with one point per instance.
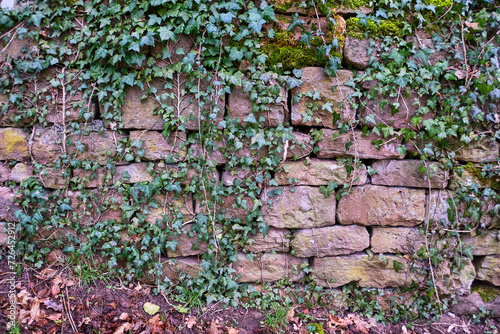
(54, 316)
(123, 316)
(190, 322)
(55, 289)
(123, 327)
(472, 25)
(231, 330)
(52, 304)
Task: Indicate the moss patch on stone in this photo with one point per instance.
(477, 171)
(439, 3)
(358, 30)
(487, 292)
(283, 5)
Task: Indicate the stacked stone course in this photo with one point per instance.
(357, 238)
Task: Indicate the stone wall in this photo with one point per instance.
(357, 238)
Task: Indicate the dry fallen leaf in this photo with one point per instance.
(53, 305)
(54, 317)
(190, 322)
(46, 273)
(473, 25)
(55, 289)
(124, 327)
(123, 316)
(231, 330)
(34, 310)
(214, 328)
(460, 74)
(291, 314)
(151, 309)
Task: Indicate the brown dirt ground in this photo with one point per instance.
(51, 301)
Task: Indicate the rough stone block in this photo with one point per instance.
(212, 153)
(331, 91)
(47, 146)
(158, 148)
(488, 269)
(268, 268)
(299, 147)
(171, 207)
(331, 240)
(53, 178)
(319, 172)
(7, 205)
(241, 107)
(4, 233)
(485, 242)
(405, 173)
(92, 178)
(469, 178)
(401, 240)
(474, 304)
(409, 103)
(237, 173)
(138, 113)
(374, 273)
(451, 282)
(233, 206)
(384, 206)
(292, 7)
(188, 243)
(4, 173)
(297, 207)
(479, 151)
(356, 52)
(275, 240)
(336, 145)
(96, 146)
(21, 172)
(13, 144)
(19, 45)
(133, 173)
(438, 207)
(92, 206)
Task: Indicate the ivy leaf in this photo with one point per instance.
(166, 34)
(235, 54)
(256, 21)
(101, 53)
(227, 17)
(251, 119)
(129, 79)
(259, 138)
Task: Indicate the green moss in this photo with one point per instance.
(487, 292)
(477, 172)
(439, 3)
(282, 6)
(318, 328)
(385, 28)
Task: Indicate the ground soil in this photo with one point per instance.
(51, 300)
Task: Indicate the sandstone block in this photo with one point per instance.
(173, 269)
(402, 240)
(479, 151)
(171, 207)
(92, 178)
(21, 172)
(138, 113)
(233, 206)
(438, 206)
(408, 105)
(4, 173)
(331, 94)
(374, 273)
(335, 145)
(92, 206)
(158, 148)
(405, 173)
(331, 240)
(384, 206)
(357, 52)
(451, 282)
(96, 146)
(133, 173)
(4, 233)
(297, 207)
(474, 304)
(212, 152)
(268, 267)
(13, 144)
(47, 146)
(187, 243)
(7, 205)
(319, 172)
(470, 178)
(237, 173)
(299, 147)
(486, 242)
(488, 269)
(53, 178)
(241, 106)
(20, 45)
(275, 240)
